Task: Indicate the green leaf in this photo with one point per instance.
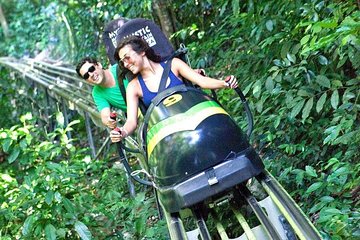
(296, 48)
(140, 224)
(333, 132)
(285, 49)
(28, 225)
(313, 187)
(323, 81)
(257, 89)
(348, 95)
(335, 99)
(327, 24)
(235, 7)
(49, 197)
(6, 144)
(299, 179)
(50, 232)
(336, 83)
(73, 123)
(23, 144)
(320, 102)
(83, 231)
(297, 108)
(310, 171)
(354, 81)
(269, 84)
(7, 178)
(14, 154)
(305, 39)
(324, 218)
(346, 138)
(323, 60)
(25, 117)
(223, 8)
(259, 106)
(54, 166)
(70, 216)
(60, 119)
(58, 197)
(316, 29)
(331, 162)
(304, 93)
(327, 199)
(317, 207)
(269, 25)
(341, 62)
(61, 232)
(68, 205)
(308, 106)
(291, 57)
(332, 211)
(277, 121)
(247, 89)
(273, 68)
(341, 171)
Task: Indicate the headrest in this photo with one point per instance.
(110, 35)
(122, 28)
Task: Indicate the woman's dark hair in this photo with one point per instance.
(138, 44)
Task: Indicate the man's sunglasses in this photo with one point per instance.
(90, 70)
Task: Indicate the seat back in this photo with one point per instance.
(109, 37)
(121, 28)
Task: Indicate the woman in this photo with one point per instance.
(134, 54)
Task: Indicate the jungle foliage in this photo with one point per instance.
(296, 61)
(50, 188)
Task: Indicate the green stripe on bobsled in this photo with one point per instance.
(188, 120)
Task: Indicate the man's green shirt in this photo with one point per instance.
(107, 97)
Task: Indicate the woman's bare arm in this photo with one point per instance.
(182, 69)
(132, 103)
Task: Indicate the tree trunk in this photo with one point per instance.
(4, 23)
(163, 12)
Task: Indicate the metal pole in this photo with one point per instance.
(48, 104)
(66, 118)
(89, 135)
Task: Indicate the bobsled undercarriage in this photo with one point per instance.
(241, 213)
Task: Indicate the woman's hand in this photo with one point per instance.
(200, 71)
(118, 134)
(231, 82)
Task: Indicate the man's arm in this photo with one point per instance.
(104, 107)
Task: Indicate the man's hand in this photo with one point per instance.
(111, 122)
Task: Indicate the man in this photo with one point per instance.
(106, 92)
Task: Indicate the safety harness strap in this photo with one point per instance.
(165, 76)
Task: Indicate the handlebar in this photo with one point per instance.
(249, 115)
(245, 104)
(121, 150)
